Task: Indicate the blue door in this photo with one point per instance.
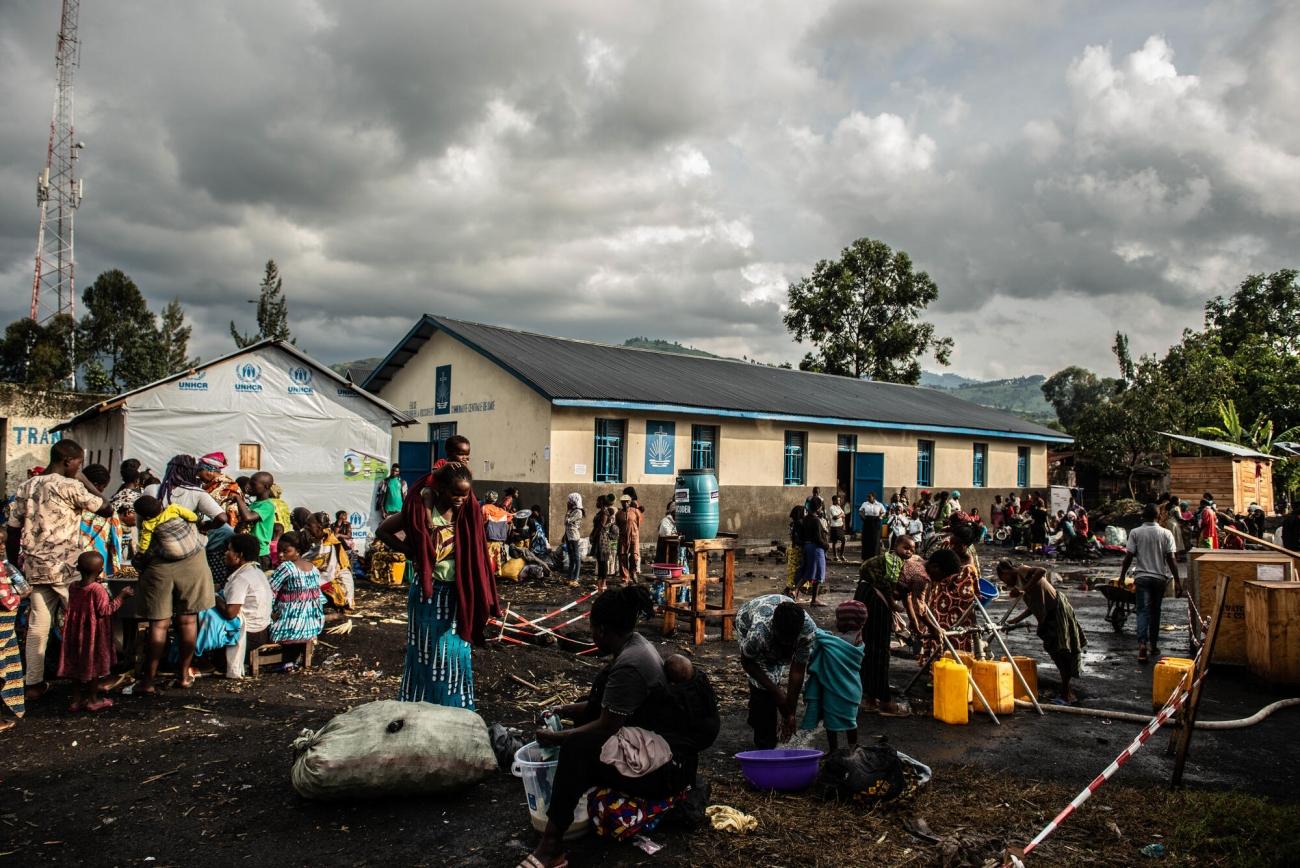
(413, 456)
(868, 475)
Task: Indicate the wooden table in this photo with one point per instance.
(697, 608)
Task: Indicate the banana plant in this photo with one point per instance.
(1258, 436)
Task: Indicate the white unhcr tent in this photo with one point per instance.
(268, 407)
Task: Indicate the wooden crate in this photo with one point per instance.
(1273, 631)
(1210, 569)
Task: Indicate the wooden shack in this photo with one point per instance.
(1235, 475)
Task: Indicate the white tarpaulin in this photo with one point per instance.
(327, 445)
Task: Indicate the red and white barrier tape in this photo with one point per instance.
(1162, 717)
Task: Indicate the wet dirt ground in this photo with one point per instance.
(201, 777)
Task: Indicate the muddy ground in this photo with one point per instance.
(202, 777)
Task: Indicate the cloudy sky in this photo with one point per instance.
(666, 167)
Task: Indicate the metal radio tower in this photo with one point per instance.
(58, 190)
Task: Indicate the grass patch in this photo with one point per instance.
(1234, 829)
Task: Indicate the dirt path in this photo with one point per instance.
(201, 777)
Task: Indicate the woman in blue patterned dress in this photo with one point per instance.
(453, 592)
(298, 613)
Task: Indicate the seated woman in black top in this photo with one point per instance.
(631, 691)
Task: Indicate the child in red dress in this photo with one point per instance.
(88, 634)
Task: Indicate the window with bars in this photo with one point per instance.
(847, 443)
(925, 462)
(980, 465)
(795, 458)
(704, 447)
(1022, 467)
(610, 442)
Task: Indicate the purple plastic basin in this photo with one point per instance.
(786, 770)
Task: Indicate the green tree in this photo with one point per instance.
(862, 314)
(116, 339)
(38, 355)
(1074, 391)
(272, 311)
(174, 339)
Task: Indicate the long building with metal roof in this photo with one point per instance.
(555, 415)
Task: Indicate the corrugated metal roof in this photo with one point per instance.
(399, 418)
(573, 371)
(1220, 446)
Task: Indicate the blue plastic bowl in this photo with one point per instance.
(787, 770)
(987, 591)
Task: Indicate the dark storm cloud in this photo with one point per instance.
(605, 170)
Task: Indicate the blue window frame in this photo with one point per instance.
(795, 457)
(1022, 467)
(704, 447)
(924, 463)
(610, 441)
(980, 465)
(847, 443)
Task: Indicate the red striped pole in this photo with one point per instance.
(1172, 706)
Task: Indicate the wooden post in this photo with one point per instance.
(1194, 698)
(700, 593)
(729, 594)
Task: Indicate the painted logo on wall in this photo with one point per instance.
(660, 446)
(442, 390)
(300, 377)
(195, 382)
(248, 377)
(359, 529)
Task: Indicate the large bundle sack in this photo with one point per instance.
(390, 748)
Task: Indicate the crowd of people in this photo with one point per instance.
(214, 567)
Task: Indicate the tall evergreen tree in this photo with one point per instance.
(272, 311)
(116, 338)
(174, 339)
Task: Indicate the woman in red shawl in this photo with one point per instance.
(440, 530)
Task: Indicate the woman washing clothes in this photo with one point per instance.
(632, 692)
(440, 530)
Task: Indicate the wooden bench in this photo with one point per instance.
(273, 653)
(697, 608)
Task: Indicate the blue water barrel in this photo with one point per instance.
(696, 499)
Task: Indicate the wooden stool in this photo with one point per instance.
(273, 653)
(698, 609)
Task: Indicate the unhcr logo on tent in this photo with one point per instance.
(195, 382)
(248, 377)
(300, 378)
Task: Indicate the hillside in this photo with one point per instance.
(666, 347)
(1020, 395)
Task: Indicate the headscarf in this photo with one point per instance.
(213, 461)
(476, 589)
(575, 501)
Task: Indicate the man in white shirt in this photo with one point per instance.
(1152, 548)
(835, 524)
(872, 512)
(248, 596)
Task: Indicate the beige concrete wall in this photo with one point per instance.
(507, 422)
(26, 417)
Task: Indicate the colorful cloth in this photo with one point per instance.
(622, 817)
(439, 664)
(88, 633)
(948, 599)
(476, 587)
(793, 564)
(382, 560)
(215, 631)
(48, 511)
(833, 690)
(754, 634)
(298, 612)
(225, 491)
(173, 512)
(813, 570)
(104, 536)
(12, 692)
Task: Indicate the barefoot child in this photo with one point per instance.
(834, 688)
(88, 634)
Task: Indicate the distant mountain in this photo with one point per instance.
(359, 365)
(944, 381)
(1020, 395)
(667, 347)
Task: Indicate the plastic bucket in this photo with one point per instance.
(785, 769)
(987, 591)
(538, 773)
(666, 571)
